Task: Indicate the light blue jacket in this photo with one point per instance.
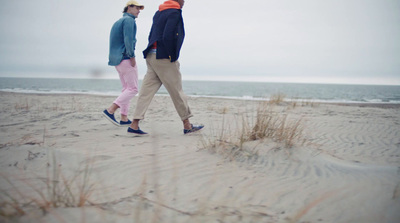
(122, 40)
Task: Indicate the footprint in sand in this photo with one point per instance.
(101, 158)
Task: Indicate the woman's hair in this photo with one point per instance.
(125, 9)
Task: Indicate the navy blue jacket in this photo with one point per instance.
(169, 32)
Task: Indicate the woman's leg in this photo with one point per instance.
(129, 80)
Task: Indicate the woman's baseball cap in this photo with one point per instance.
(135, 3)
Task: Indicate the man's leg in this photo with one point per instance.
(151, 84)
(170, 76)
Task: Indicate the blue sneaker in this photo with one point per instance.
(110, 117)
(127, 123)
(137, 132)
(194, 128)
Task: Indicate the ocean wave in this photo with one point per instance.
(317, 93)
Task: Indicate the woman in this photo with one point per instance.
(122, 56)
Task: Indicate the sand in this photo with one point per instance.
(54, 149)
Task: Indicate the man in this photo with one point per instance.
(162, 53)
(122, 56)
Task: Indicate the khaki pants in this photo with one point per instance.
(162, 72)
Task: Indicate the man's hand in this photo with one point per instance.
(133, 61)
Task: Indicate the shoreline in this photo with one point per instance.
(344, 168)
(201, 80)
(350, 103)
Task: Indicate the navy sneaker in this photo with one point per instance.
(194, 128)
(110, 117)
(137, 132)
(127, 123)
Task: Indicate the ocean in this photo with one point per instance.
(220, 89)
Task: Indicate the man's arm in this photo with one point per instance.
(170, 35)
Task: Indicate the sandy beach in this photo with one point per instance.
(62, 161)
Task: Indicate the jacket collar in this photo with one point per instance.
(128, 14)
(169, 5)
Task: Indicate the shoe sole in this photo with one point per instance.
(197, 130)
(136, 135)
(109, 119)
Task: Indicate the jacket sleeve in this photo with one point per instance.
(170, 35)
(129, 31)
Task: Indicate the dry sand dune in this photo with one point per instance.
(346, 168)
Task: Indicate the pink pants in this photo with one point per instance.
(129, 80)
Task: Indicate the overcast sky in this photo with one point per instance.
(312, 41)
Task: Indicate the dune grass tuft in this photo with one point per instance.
(55, 190)
(277, 98)
(267, 123)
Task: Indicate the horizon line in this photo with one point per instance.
(205, 80)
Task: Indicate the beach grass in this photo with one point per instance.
(55, 190)
(277, 99)
(267, 124)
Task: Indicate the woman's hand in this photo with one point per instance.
(133, 61)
